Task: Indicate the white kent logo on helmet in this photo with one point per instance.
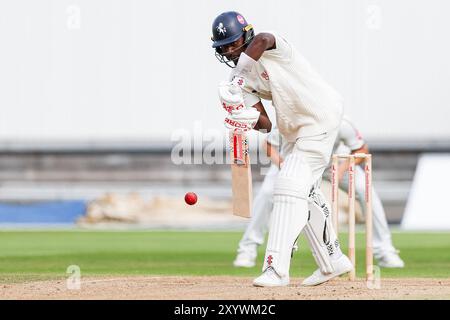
(221, 29)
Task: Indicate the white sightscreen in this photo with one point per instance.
(98, 70)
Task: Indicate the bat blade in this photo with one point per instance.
(241, 175)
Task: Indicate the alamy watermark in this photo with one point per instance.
(212, 146)
(73, 282)
(375, 282)
(73, 21)
(374, 19)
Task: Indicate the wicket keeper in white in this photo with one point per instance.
(308, 112)
(350, 138)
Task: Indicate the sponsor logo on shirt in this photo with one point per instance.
(265, 76)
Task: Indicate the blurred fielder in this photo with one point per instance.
(309, 113)
(348, 136)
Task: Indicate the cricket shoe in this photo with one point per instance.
(340, 266)
(244, 260)
(390, 259)
(270, 278)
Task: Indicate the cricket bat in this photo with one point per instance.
(241, 174)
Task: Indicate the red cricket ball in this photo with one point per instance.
(190, 198)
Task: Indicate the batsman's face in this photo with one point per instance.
(233, 51)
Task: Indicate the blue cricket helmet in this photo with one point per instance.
(227, 28)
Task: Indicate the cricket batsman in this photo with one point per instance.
(308, 112)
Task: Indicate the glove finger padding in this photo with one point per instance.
(247, 114)
(231, 97)
(245, 121)
(232, 124)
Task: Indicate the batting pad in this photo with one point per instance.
(290, 213)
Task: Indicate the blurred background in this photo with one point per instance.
(96, 94)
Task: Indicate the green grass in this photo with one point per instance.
(27, 255)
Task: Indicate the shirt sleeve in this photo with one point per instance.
(350, 136)
(282, 51)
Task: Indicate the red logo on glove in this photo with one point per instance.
(269, 260)
(231, 108)
(236, 124)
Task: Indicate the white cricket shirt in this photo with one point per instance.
(305, 104)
